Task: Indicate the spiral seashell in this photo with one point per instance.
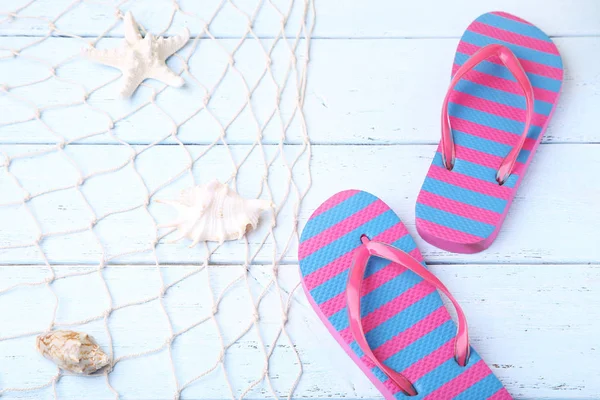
(76, 352)
(214, 212)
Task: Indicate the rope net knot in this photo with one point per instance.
(82, 197)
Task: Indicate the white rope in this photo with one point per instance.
(295, 77)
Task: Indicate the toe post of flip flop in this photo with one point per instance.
(506, 79)
(366, 279)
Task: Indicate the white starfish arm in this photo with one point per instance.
(132, 30)
(168, 46)
(165, 75)
(130, 82)
(113, 57)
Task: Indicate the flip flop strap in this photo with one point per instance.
(353, 290)
(511, 62)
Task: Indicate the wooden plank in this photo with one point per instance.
(508, 309)
(553, 218)
(392, 94)
(223, 19)
(69, 115)
(433, 18)
(336, 18)
(391, 91)
(112, 192)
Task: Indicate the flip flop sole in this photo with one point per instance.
(462, 210)
(405, 321)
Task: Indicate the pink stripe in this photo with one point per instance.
(397, 305)
(430, 362)
(467, 182)
(327, 272)
(412, 334)
(342, 263)
(393, 234)
(476, 157)
(347, 337)
(479, 157)
(514, 38)
(384, 275)
(334, 201)
(510, 16)
(342, 341)
(338, 230)
(505, 85)
(335, 304)
(499, 109)
(462, 382)
(392, 308)
(529, 66)
(489, 160)
(446, 233)
(501, 394)
(391, 387)
(485, 132)
(458, 208)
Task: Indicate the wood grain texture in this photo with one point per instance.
(391, 95)
(336, 18)
(552, 220)
(508, 317)
(433, 18)
(377, 76)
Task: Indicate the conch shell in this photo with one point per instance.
(214, 212)
(75, 352)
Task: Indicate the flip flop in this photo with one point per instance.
(506, 80)
(365, 278)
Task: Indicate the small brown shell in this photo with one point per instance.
(76, 352)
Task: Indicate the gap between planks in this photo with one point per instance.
(292, 263)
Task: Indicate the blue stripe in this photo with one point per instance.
(483, 389)
(502, 97)
(454, 221)
(521, 52)
(388, 292)
(476, 171)
(492, 121)
(336, 214)
(464, 195)
(500, 71)
(442, 375)
(400, 322)
(339, 320)
(405, 243)
(513, 26)
(336, 285)
(371, 301)
(330, 288)
(346, 243)
(422, 347)
(379, 374)
(486, 146)
(403, 320)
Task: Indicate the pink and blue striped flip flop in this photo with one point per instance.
(506, 80)
(365, 278)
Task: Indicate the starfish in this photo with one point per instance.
(140, 58)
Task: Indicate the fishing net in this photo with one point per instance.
(80, 175)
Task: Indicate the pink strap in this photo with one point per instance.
(357, 271)
(514, 66)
